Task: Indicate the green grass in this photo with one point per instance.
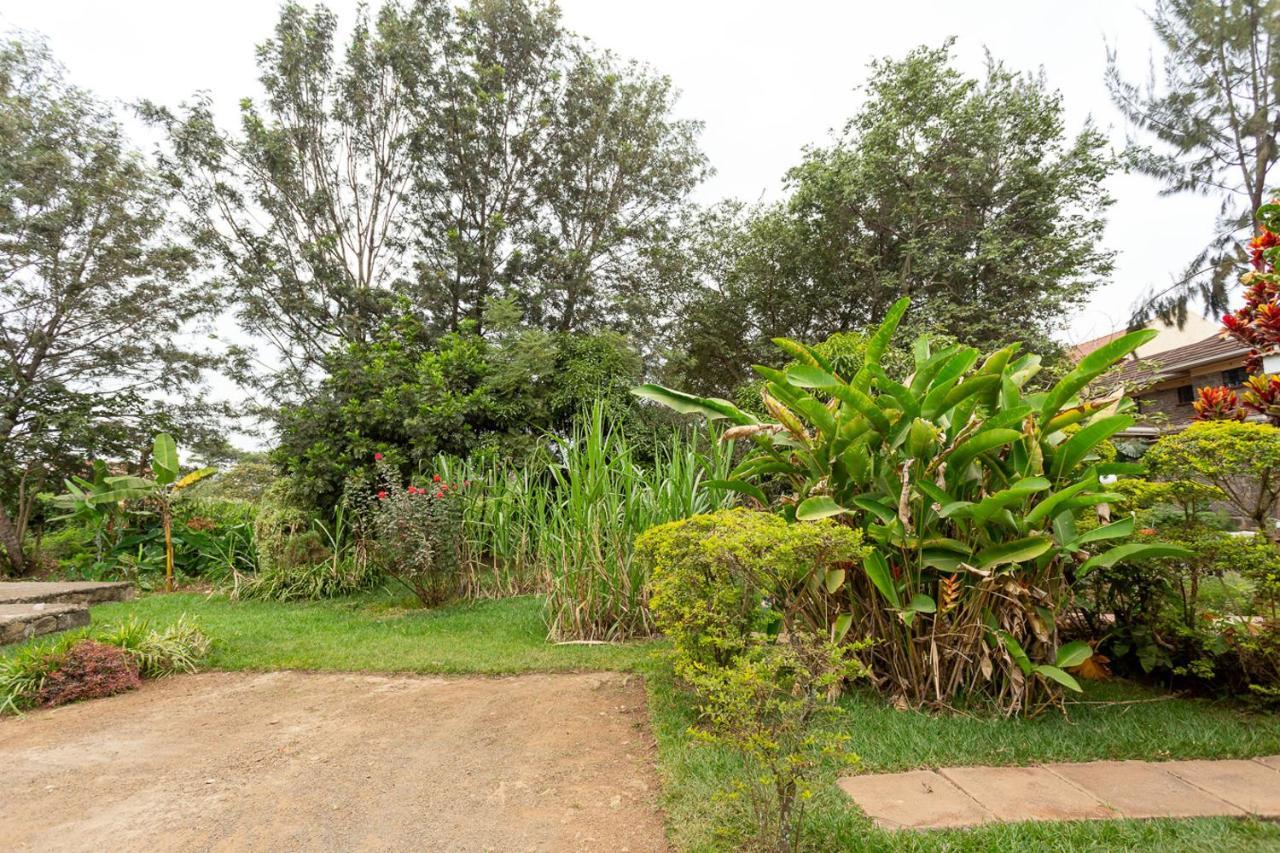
(378, 632)
(1125, 724)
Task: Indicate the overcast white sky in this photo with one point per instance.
(766, 76)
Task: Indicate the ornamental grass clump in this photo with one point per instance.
(967, 483)
(602, 498)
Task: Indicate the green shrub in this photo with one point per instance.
(748, 601)
(712, 574)
(415, 533)
(155, 652)
(967, 482)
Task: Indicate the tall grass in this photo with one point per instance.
(565, 523)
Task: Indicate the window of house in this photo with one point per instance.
(1234, 376)
(1186, 394)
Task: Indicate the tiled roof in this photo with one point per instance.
(1157, 366)
(1080, 350)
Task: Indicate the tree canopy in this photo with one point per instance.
(449, 156)
(967, 194)
(97, 297)
(1214, 121)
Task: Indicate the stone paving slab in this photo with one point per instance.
(1140, 790)
(966, 796)
(918, 798)
(1247, 784)
(1027, 793)
(67, 592)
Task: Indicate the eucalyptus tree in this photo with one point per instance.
(1214, 122)
(97, 297)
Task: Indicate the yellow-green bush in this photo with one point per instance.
(712, 573)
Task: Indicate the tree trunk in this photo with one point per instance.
(11, 541)
(168, 547)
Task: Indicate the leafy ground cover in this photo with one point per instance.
(380, 631)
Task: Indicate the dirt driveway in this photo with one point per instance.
(288, 761)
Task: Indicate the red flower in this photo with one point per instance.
(413, 490)
(377, 457)
(439, 494)
(382, 496)
(436, 478)
(466, 482)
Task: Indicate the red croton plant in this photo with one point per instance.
(1256, 324)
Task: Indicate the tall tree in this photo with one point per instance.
(483, 137)
(1215, 122)
(968, 195)
(618, 167)
(451, 155)
(95, 293)
(305, 210)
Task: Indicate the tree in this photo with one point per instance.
(305, 210)
(410, 396)
(1240, 460)
(451, 156)
(966, 194)
(97, 298)
(1216, 121)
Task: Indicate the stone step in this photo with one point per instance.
(20, 622)
(68, 592)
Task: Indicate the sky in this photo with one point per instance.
(767, 77)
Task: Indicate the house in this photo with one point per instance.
(1165, 380)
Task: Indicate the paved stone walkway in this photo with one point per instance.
(968, 796)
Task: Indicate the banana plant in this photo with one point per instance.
(106, 494)
(970, 485)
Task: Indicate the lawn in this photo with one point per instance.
(377, 632)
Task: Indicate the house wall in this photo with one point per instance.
(1161, 399)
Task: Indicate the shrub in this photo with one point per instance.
(150, 652)
(87, 670)
(766, 705)
(301, 557)
(1240, 460)
(748, 601)
(417, 535)
(712, 574)
(968, 487)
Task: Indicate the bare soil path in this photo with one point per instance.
(288, 761)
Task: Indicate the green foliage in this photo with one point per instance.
(247, 480)
(602, 498)
(1214, 123)
(450, 155)
(178, 647)
(968, 194)
(300, 557)
(711, 574)
(767, 705)
(968, 486)
(412, 398)
(97, 298)
(1240, 460)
